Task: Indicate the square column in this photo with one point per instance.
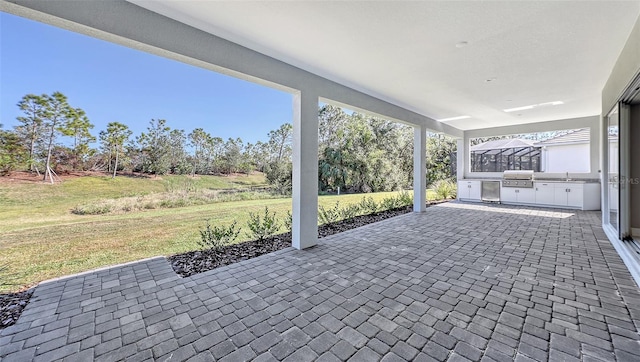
(305, 170)
(419, 168)
(461, 156)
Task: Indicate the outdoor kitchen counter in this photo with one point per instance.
(581, 194)
(555, 180)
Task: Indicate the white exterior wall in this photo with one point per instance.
(572, 158)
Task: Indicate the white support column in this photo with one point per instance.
(305, 170)
(460, 158)
(419, 168)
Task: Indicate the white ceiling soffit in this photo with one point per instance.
(443, 59)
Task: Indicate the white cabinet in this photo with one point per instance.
(521, 195)
(567, 194)
(469, 190)
(545, 193)
(585, 196)
(573, 195)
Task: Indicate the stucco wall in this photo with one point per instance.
(624, 72)
(567, 158)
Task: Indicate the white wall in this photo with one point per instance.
(572, 158)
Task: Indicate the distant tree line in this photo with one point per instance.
(357, 153)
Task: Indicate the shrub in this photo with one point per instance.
(368, 205)
(92, 209)
(218, 236)
(350, 211)
(445, 189)
(390, 203)
(403, 198)
(262, 227)
(329, 216)
(288, 221)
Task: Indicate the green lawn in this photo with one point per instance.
(41, 239)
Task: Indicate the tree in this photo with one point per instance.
(12, 153)
(78, 127)
(113, 139)
(440, 163)
(278, 168)
(57, 113)
(232, 157)
(155, 146)
(177, 152)
(198, 139)
(30, 130)
(213, 152)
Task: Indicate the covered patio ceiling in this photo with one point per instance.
(440, 59)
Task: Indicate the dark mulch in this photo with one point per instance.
(195, 262)
(11, 306)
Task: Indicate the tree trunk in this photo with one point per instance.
(115, 167)
(109, 163)
(47, 170)
(32, 148)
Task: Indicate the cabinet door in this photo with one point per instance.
(509, 194)
(560, 195)
(463, 190)
(527, 195)
(575, 196)
(475, 191)
(545, 194)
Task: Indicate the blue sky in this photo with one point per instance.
(114, 83)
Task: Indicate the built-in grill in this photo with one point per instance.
(517, 178)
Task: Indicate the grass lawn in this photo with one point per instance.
(41, 239)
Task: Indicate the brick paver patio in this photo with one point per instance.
(459, 282)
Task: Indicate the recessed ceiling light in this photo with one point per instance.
(519, 108)
(453, 118)
(461, 44)
(532, 106)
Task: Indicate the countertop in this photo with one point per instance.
(537, 179)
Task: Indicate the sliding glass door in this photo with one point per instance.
(613, 189)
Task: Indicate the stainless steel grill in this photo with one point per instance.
(517, 178)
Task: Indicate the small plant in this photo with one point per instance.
(445, 189)
(218, 236)
(288, 221)
(262, 227)
(404, 198)
(368, 205)
(390, 203)
(350, 211)
(329, 216)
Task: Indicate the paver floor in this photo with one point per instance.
(458, 282)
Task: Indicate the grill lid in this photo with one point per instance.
(518, 175)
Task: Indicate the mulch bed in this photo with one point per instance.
(194, 262)
(200, 261)
(11, 306)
